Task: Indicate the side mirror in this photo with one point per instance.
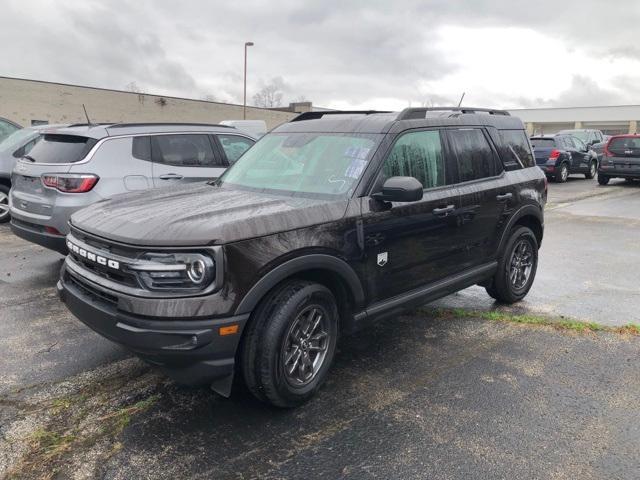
(400, 189)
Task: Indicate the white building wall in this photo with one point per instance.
(24, 101)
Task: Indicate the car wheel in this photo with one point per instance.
(517, 267)
(290, 343)
(5, 216)
(563, 174)
(592, 171)
(603, 179)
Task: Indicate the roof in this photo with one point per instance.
(384, 122)
(99, 131)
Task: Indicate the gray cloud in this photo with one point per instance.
(330, 51)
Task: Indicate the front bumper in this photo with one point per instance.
(191, 351)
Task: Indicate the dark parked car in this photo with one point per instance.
(594, 139)
(562, 155)
(621, 159)
(330, 221)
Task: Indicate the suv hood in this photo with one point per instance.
(201, 215)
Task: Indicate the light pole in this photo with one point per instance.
(244, 103)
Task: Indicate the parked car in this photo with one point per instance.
(7, 127)
(562, 155)
(621, 159)
(592, 138)
(599, 147)
(332, 220)
(16, 145)
(71, 168)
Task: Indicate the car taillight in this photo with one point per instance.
(554, 154)
(70, 182)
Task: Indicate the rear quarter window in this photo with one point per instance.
(57, 148)
(516, 149)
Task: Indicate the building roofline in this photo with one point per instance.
(131, 93)
(573, 108)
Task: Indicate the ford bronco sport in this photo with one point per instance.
(330, 221)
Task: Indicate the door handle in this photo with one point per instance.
(171, 176)
(504, 197)
(444, 211)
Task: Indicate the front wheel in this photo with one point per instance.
(290, 343)
(517, 267)
(603, 179)
(592, 171)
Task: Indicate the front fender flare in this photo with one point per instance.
(298, 265)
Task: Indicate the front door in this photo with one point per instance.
(408, 245)
(184, 158)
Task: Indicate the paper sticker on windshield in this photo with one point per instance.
(357, 152)
(355, 168)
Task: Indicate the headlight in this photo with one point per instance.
(175, 271)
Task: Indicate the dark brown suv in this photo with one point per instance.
(330, 221)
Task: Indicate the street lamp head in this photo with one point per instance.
(248, 44)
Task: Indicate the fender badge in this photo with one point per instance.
(383, 258)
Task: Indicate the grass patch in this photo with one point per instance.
(561, 323)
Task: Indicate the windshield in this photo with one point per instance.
(56, 148)
(304, 163)
(17, 139)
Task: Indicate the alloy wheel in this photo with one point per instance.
(521, 264)
(4, 206)
(305, 346)
(564, 172)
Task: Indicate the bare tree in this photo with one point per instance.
(270, 96)
(132, 87)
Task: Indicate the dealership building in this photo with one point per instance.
(34, 102)
(612, 120)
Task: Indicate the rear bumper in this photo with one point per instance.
(617, 172)
(35, 234)
(192, 352)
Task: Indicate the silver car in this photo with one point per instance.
(73, 167)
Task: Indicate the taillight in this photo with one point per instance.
(70, 182)
(554, 154)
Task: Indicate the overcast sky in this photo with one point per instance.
(336, 53)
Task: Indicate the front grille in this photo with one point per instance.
(89, 290)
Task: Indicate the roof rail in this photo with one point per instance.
(420, 113)
(167, 124)
(317, 115)
(87, 124)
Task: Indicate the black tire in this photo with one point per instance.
(592, 171)
(267, 337)
(4, 201)
(603, 179)
(502, 287)
(563, 173)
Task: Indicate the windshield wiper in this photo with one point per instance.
(30, 158)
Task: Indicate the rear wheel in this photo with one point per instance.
(563, 173)
(290, 343)
(517, 267)
(592, 171)
(603, 179)
(4, 204)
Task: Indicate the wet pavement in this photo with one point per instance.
(420, 396)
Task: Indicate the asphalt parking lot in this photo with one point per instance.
(430, 394)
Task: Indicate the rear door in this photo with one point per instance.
(484, 194)
(54, 153)
(184, 158)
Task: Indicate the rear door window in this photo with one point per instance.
(474, 155)
(57, 148)
(234, 146)
(188, 150)
(516, 148)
